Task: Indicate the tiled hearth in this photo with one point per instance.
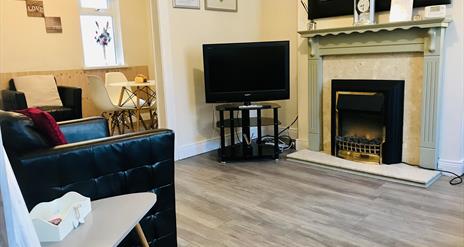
(421, 38)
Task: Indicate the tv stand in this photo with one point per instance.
(249, 148)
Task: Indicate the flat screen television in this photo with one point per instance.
(246, 72)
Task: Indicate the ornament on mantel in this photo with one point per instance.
(364, 12)
(311, 23)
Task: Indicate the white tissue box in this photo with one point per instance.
(71, 208)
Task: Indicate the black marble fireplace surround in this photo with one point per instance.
(373, 105)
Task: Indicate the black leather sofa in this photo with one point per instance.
(96, 166)
(71, 97)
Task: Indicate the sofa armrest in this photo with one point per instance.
(84, 129)
(71, 98)
(13, 100)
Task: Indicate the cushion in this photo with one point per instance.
(46, 125)
(40, 90)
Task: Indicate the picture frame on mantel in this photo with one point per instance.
(401, 10)
(222, 5)
(186, 4)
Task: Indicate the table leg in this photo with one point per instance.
(143, 239)
(137, 119)
(138, 109)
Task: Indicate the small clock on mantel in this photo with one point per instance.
(364, 12)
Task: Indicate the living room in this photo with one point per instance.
(166, 136)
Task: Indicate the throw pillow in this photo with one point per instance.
(46, 125)
(40, 90)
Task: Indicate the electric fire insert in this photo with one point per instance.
(367, 120)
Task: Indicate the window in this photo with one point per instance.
(100, 33)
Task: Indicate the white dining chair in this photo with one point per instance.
(115, 94)
(115, 114)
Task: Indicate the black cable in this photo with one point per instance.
(235, 129)
(288, 127)
(454, 181)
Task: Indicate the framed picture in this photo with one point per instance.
(221, 5)
(35, 8)
(186, 4)
(53, 25)
(401, 10)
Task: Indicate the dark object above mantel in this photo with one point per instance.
(330, 8)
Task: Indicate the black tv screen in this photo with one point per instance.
(245, 72)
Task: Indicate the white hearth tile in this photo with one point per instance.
(402, 173)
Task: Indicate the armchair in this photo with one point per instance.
(96, 166)
(70, 96)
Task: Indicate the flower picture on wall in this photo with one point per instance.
(98, 40)
(102, 36)
(221, 5)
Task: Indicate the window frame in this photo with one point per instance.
(113, 11)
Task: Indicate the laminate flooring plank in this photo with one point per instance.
(269, 204)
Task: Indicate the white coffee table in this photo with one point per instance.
(110, 221)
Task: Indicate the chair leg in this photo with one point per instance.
(142, 120)
(131, 121)
(155, 120)
(127, 120)
(118, 121)
(152, 120)
(122, 119)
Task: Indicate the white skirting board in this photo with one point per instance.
(400, 173)
(451, 166)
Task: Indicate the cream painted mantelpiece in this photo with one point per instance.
(424, 36)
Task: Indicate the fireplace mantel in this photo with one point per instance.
(390, 26)
(425, 36)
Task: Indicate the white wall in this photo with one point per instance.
(181, 33)
(452, 108)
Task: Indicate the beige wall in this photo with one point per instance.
(282, 26)
(25, 46)
(182, 33)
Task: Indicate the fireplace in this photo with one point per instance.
(367, 120)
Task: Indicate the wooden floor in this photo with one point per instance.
(288, 204)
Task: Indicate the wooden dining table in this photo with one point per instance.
(141, 95)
